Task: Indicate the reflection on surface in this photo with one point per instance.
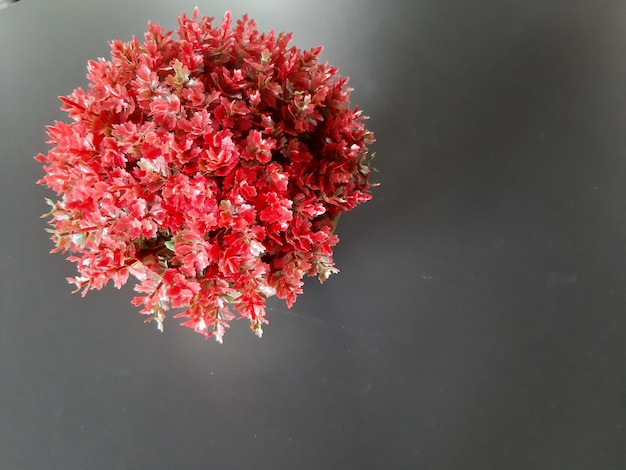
(6, 3)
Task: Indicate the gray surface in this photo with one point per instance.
(479, 318)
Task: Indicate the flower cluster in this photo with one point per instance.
(212, 167)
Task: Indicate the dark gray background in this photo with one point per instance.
(479, 321)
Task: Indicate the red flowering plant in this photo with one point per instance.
(212, 167)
